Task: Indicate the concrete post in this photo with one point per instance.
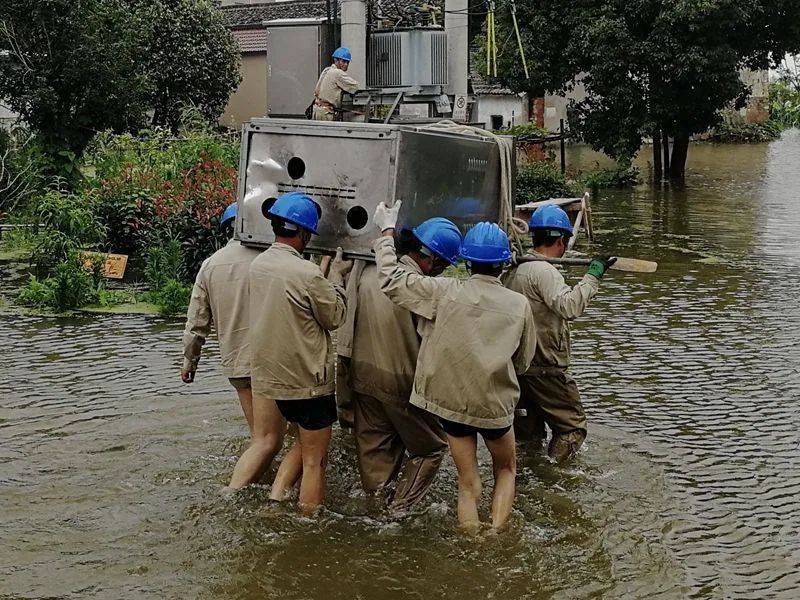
(456, 23)
(354, 36)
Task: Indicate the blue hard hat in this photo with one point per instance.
(228, 216)
(297, 208)
(550, 216)
(342, 54)
(486, 243)
(466, 207)
(441, 237)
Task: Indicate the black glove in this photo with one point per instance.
(601, 264)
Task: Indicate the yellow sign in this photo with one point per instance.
(113, 267)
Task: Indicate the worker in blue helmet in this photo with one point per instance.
(476, 336)
(221, 296)
(548, 393)
(293, 309)
(400, 447)
(331, 83)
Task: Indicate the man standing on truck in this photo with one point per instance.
(548, 394)
(331, 83)
(221, 295)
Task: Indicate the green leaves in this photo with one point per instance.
(646, 64)
(75, 68)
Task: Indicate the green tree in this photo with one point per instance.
(652, 66)
(191, 59)
(71, 68)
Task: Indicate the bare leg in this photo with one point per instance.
(314, 449)
(288, 473)
(246, 400)
(464, 452)
(268, 427)
(504, 464)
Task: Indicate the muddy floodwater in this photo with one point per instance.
(688, 486)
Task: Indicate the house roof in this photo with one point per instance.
(390, 12)
(251, 40)
(255, 14)
(483, 86)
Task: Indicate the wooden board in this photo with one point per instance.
(113, 267)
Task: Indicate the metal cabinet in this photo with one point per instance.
(348, 168)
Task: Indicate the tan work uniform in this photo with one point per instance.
(293, 309)
(328, 92)
(383, 360)
(549, 393)
(221, 294)
(476, 336)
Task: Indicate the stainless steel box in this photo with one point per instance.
(348, 168)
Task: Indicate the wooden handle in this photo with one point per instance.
(629, 265)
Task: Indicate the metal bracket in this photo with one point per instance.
(394, 105)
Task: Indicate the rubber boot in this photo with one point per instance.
(563, 446)
(416, 479)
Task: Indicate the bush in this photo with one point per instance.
(20, 169)
(106, 297)
(734, 129)
(163, 264)
(784, 105)
(541, 180)
(70, 287)
(36, 293)
(171, 299)
(529, 129)
(160, 188)
(613, 177)
(69, 225)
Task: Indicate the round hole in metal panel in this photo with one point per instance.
(357, 217)
(296, 167)
(266, 205)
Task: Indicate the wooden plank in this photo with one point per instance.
(113, 267)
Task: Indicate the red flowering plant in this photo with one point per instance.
(125, 206)
(189, 211)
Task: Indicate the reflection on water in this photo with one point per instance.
(110, 468)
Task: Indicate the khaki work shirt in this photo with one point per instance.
(293, 309)
(554, 305)
(221, 294)
(385, 340)
(332, 81)
(478, 336)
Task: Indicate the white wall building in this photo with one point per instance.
(496, 106)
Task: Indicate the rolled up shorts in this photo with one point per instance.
(240, 383)
(461, 430)
(310, 414)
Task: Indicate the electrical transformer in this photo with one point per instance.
(348, 168)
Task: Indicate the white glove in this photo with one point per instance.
(386, 217)
(339, 268)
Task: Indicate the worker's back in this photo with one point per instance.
(385, 341)
(554, 304)
(225, 279)
(292, 310)
(481, 336)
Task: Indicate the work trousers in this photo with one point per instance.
(551, 396)
(320, 114)
(385, 432)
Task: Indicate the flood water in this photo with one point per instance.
(688, 486)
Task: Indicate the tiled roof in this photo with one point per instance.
(251, 40)
(483, 86)
(388, 11)
(255, 14)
